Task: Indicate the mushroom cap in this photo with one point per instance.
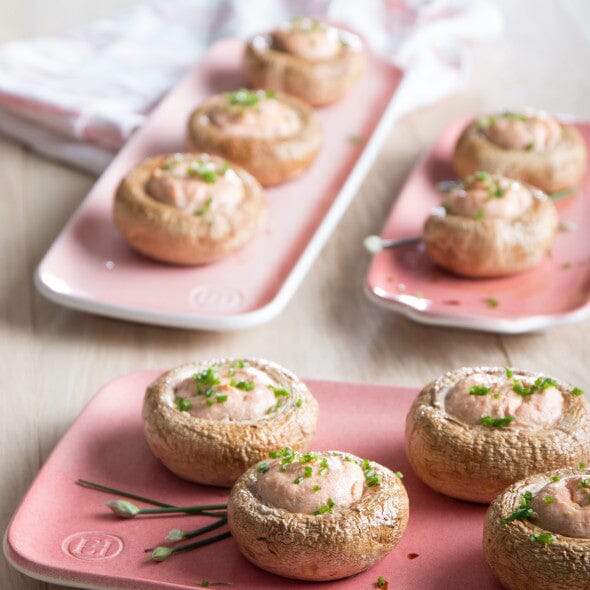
(217, 452)
(317, 83)
(557, 168)
(168, 234)
(270, 161)
(522, 564)
(492, 247)
(477, 462)
(319, 547)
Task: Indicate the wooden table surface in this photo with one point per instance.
(53, 359)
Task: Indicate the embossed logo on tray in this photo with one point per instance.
(215, 297)
(93, 546)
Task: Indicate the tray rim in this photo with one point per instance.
(275, 306)
(510, 326)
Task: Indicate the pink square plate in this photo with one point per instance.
(89, 267)
(63, 533)
(405, 279)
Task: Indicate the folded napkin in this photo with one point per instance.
(78, 96)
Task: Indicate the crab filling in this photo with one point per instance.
(308, 39)
(256, 114)
(517, 401)
(520, 131)
(198, 185)
(563, 506)
(310, 483)
(234, 391)
(489, 196)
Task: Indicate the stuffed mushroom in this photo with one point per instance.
(537, 532)
(272, 135)
(209, 421)
(532, 147)
(474, 431)
(318, 515)
(491, 226)
(188, 208)
(310, 59)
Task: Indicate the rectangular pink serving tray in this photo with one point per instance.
(64, 534)
(405, 279)
(89, 267)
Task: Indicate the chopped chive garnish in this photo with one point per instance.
(243, 385)
(263, 467)
(205, 208)
(555, 478)
(492, 302)
(308, 471)
(247, 98)
(399, 474)
(479, 214)
(530, 146)
(317, 488)
(298, 480)
(446, 186)
(496, 422)
(280, 392)
(514, 116)
(543, 538)
(577, 391)
(509, 372)
(548, 500)
(299, 403)
(220, 398)
(566, 192)
(203, 171)
(327, 507)
(482, 175)
(581, 465)
(479, 390)
(584, 483)
(184, 405)
(308, 457)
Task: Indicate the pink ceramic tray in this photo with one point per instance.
(407, 281)
(89, 267)
(63, 533)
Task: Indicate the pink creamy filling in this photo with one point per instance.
(541, 408)
(267, 119)
(308, 39)
(250, 394)
(342, 482)
(495, 198)
(567, 509)
(181, 183)
(523, 132)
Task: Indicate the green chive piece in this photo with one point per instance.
(548, 500)
(496, 422)
(308, 471)
(280, 392)
(243, 385)
(566, 192)
(399, 474)
(298, 480)
(482, 175)
(479, 390)
(492, 302)
(479, 214)
(543, 538)
(381, 582)
(299, 403)
(327, 507)
(263, 467)
(555, 478)
(317, 488)
(184, 405)
(519, 514)
(220, 398)
(577, 391)
(205, 208)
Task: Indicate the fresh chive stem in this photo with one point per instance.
(101, 488)
(205, 529)
(185, 509)
(201, 543)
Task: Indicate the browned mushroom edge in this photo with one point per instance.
(555, 169)
(270, 161)
(476, 463)
(325, 546)
(168, 234)
(318, 83)
(492, 247)
(217, 452)
(522, 555)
